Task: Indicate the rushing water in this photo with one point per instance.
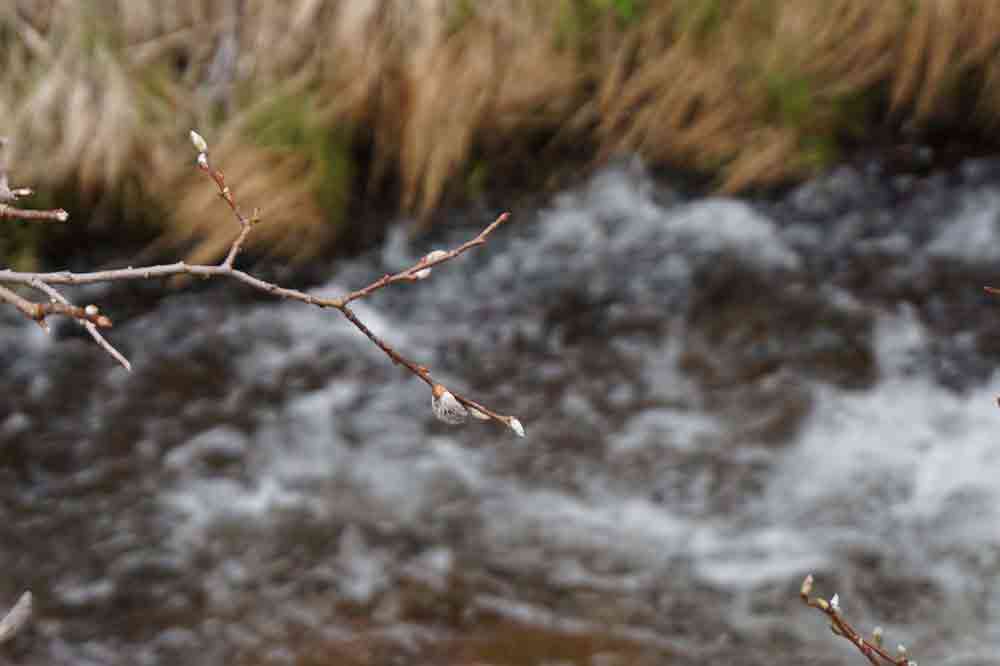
(720, 397)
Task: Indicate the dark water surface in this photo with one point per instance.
(720, 396)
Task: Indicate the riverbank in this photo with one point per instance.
(319, 111)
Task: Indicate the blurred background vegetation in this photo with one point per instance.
(318, 109)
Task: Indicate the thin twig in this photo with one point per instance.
(871, 649)
(87, 324)
(411, 273)
(11, 213)
(39, 311)
(8, 194)
(91, 318)
(397, 358)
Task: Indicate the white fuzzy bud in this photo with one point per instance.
(901, 650)
(807, 586)
(516, 426)
(835, 603)
(434, 255)
(877, 634)
(62, 215)
(199, 142)
(91, 310)
(476, 414)
(203, 160)
(446, 407)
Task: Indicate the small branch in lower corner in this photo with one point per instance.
(872, 648)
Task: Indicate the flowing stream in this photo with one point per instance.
(720, 397)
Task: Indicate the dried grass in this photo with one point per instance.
(757, 91)
(757, 88)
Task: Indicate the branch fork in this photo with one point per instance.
(455, 406)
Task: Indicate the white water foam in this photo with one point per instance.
(971, 235)
(906, 467)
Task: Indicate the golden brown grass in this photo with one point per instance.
(100, 94)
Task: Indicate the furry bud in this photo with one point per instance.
(199, 142)
(476, 414)
(446, 407)
(807, 586)
(430, 256)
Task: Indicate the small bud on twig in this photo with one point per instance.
(446, 407)
(199, 142)
(476, 414)
(424, 273)
(807, 586)
(871, 649)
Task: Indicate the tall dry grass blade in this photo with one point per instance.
(425, 89)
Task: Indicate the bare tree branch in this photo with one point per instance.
(91, 317)
(10, 212)
(8, 194)
(39, 311)
(88, 323)
(872, 648)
